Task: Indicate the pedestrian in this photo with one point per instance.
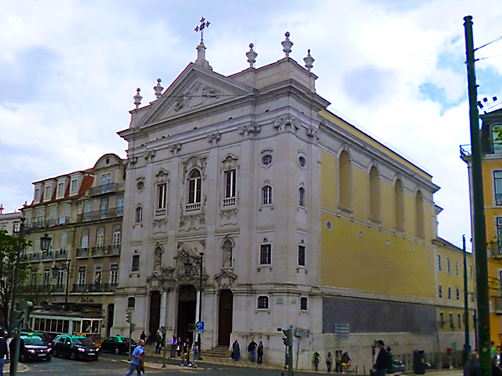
(316, 358)
(496, 371)
(136, 358)
(3, 350)
(338, 360)
(252, 350)
(381, 361)
(346, 362)
(174, 344)
(12, 346)
(236, 351)
(143, 336)
(179, 347)
(260, 352)
(186, 352)
(472, 367)
(158, 339)
(329, 361)
(195, 354)
(150, 340)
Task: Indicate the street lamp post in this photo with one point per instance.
(56, 269)
(188, 269)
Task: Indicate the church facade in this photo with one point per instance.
(247, 190)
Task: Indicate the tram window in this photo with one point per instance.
(95, 326)
(87, 326)
(54, 325)
(60, 326)
(65, 326)
(77, 326)
(37, 324)
(42, 325)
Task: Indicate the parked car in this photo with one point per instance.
(398, 366)
(35, 348)
(117, 344)
(75, 347)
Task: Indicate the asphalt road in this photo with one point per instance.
(115, 365)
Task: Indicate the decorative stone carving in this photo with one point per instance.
(195, 221)
(175, 148)
(213, 137)
(187, 252)
(312, 133)
(230, 162)
(194, 162)
(197, 96)
(157, 261)
(249, 129)
(160, 225)
(225, 279)
(228, 213)
(286, 122)
(227, 252)
(162, 176)
(149, 155)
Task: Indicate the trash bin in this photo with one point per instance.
(418, 362)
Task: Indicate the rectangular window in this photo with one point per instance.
(440, 291)
(456, 267)
(301, 255)
(87, 211)
(47, 277)
(439, 263)
(449, 292)
(452, 325)
(37, 194)
(114, 275)
(441, 319)
(161, 196)
(104, 207)
(60, 279)
(97, 275)
(266, 254)
(303, 304)
(106, 180)
(47, 195)
(73, 186)
(230, 183)
(100, 238)
(263, 302)
(135, 263)
(499, 236)
(459, 317)
(448, 265)
(458, 294)
(497, 177)
(60, 189)
(81, 276)
(120, 205)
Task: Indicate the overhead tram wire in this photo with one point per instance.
(487, 44)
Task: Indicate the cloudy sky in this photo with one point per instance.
(394, 68)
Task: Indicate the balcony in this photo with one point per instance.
(160, 212)
(35, 256)
(193, 207)
(101, 214)
(229, 201)
(105, 188)
(82, 252)
(95, 287)
(49, 255)
(61, 253)
(40, 223)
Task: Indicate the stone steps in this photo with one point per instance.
(217, 352)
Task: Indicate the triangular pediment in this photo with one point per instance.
(194, 89)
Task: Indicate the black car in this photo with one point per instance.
(117, 345)
(34, 347)
(75, 347)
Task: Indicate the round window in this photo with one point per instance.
(140, 185)
(266, 160)
(302, 161)
(328, 225)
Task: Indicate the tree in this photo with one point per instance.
(11, 247)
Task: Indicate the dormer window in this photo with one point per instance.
(37, 194)
(48, 191)
(73, 186)
(60, 192)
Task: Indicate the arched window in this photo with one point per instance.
(63, 240)
(100, 238)
(374, 194)
(301, 196)
(194, 187)
(85, 239)
(131, 302)
(266, 195)
(419, 219)
(116, 240)
(303, 303)
(263, 302)
(227, 254)
(345, 180)
(399, 205)
(139, 214)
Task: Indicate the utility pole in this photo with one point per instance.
(478, 210)
(466, 305)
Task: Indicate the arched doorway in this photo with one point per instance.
(225, 314)
(154, 312)
(186, 311)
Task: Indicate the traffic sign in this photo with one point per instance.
(342, 331)
(199, 326)
(302, 332)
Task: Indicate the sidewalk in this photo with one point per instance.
(175, 363)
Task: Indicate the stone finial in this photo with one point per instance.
(1, 209)
(158, 88)
(309, 61)
(251, 55)
(137, 98)
(287, 44)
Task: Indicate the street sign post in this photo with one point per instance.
(199, 326)
(342, 331)
(302, 332)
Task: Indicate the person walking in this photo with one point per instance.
(186, 352)
(3, 350)
(316, 358)
(179, 347)
(472, 367)
(142, 336)
(174, 344)
(136, 358)
(381, 361)
(260, 352)
(159, 343)
(236, 351)
(329, 362)
(195, 354)
(252, 350)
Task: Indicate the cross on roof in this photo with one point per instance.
(201, 27)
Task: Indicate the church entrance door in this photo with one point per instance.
(154, 312)
(186, 311)
(225, 317)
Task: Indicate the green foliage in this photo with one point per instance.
(11, 247)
